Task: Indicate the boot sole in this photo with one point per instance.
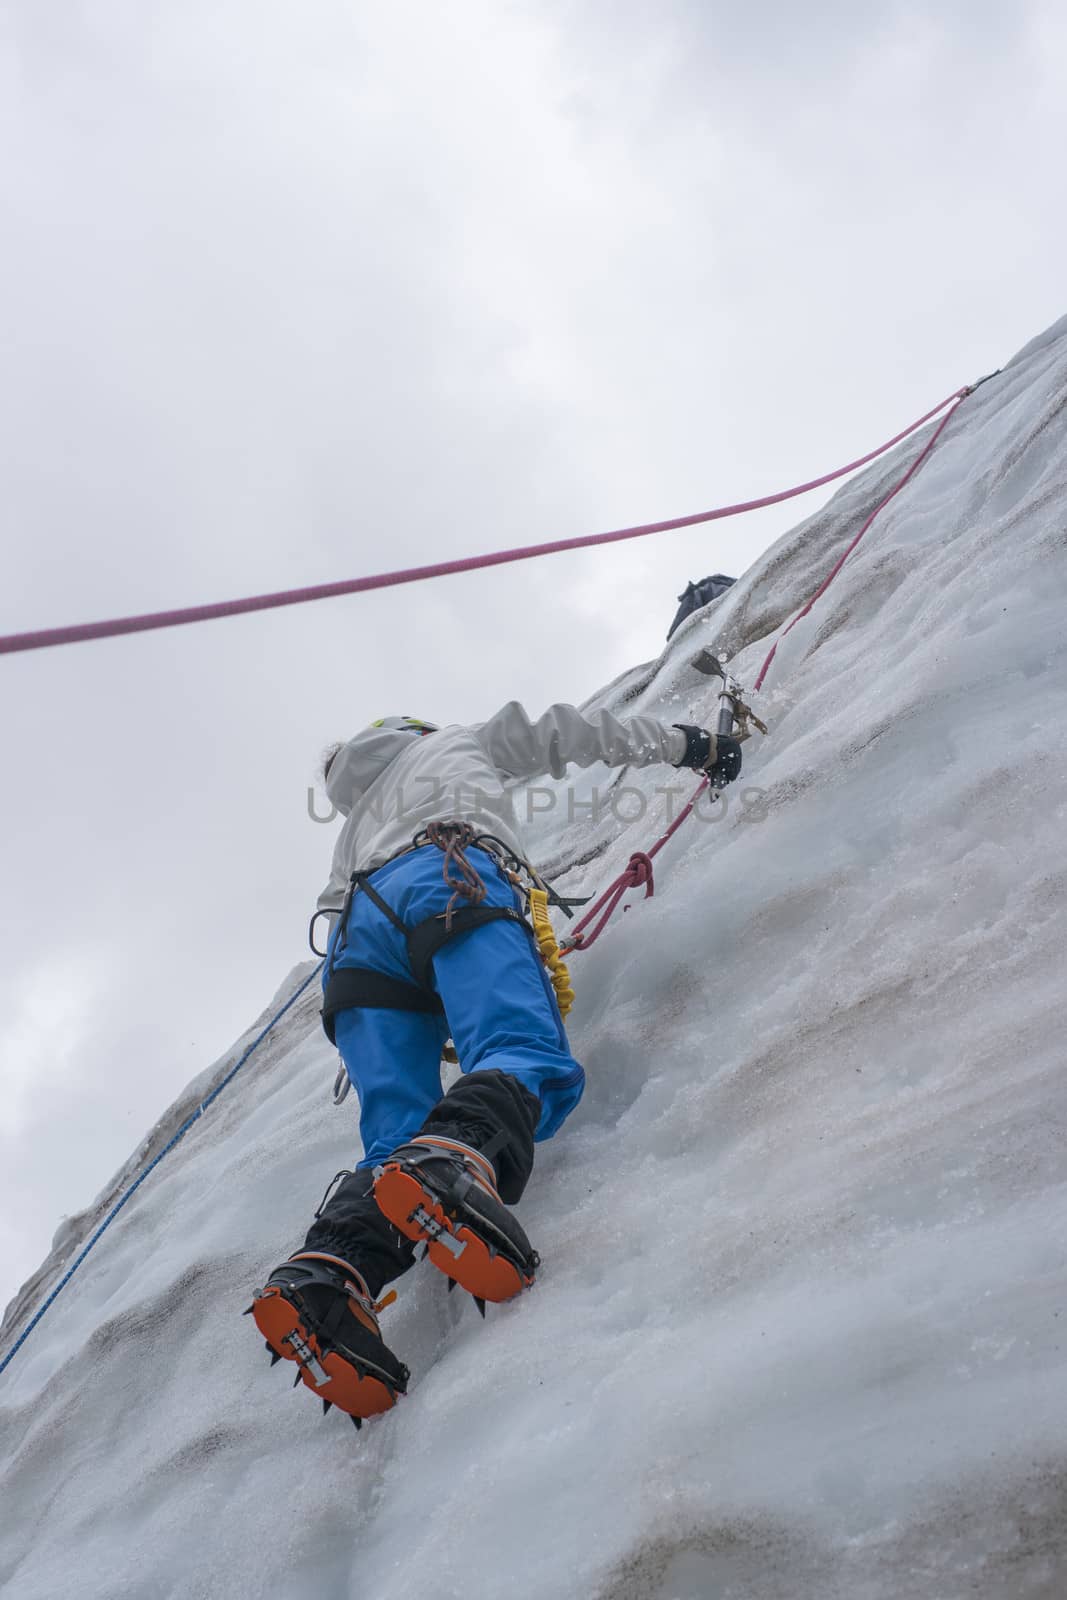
(351, 1385)
(452, 1245)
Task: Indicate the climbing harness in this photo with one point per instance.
(345, 987)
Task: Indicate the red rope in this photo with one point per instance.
(638, 870)
(959, 397)
(81, 632)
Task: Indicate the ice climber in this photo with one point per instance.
(428, 940)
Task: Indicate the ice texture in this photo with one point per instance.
(799, 1333)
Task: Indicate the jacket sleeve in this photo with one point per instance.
(519, 748)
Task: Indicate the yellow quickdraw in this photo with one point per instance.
(549, 948)
(537, 904)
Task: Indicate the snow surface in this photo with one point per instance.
(800, 1327)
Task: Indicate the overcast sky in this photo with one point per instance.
(291, 293)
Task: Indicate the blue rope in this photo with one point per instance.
(136, 1184)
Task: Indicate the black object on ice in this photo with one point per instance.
(697, 595)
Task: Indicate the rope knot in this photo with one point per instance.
(639, 872)
(461, 876)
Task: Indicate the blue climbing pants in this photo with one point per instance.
(500, 1006)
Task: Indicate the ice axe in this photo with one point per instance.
(734, 715)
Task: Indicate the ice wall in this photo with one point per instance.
(800, 1328)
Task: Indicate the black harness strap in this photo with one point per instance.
(361, 880)
(426, 938)
(361, 986)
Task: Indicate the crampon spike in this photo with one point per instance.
(274, 1358)
(488, 1255)
(451, 1281)
(480, 1303)
(248, 1310)
(425, 1251)
(357, 1423)
(359, 1377)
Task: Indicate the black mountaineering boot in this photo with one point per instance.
(315, 1310)
(444, 1192)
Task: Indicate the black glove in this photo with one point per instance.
(717, 755)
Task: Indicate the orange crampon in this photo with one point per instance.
(315, 1310)
(444, 1193)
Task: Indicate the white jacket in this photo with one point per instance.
(389, 783)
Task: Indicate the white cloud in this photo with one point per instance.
(46, 1018)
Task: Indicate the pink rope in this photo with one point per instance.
(638, 870)
(959, 397)
(79, 633)
(636, 873)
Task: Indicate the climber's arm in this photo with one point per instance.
(521, 748)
